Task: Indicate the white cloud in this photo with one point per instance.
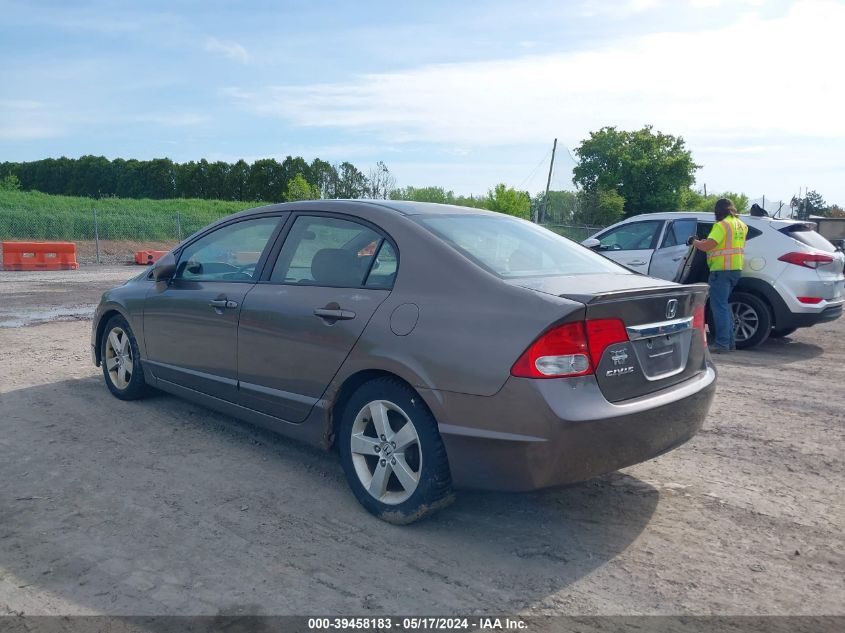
(22, 119)
(228, 48)
(715, 83)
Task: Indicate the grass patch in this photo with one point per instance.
(39, 216)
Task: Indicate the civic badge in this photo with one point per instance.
(671, 308)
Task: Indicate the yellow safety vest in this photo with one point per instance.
(729, 235)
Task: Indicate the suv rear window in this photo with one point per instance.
(806, 234)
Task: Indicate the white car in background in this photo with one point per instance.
(793, 277)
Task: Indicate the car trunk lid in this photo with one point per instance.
(664, 346)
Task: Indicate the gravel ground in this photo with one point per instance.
(160, 506)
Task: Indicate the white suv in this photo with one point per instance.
(793, 277)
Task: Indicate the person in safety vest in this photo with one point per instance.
(725, 248)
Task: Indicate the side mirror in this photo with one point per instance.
(165, 268)
(591, 242)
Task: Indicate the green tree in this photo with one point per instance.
(556, 209)
(10, 182)
(651, 171)
(301, 189)
(504, 199)
(424, 194)
(696, 201)
(599, 207)
(814, 203)
(351, 182)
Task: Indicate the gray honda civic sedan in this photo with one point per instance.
(433, 346)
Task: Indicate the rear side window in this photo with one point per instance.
(805, 234)
(323, 251)
(705, 227)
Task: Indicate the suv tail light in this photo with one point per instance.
(807, 260)
(571, 349)
(698, 322)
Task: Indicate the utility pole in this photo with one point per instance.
(705, 189)
(542, 214)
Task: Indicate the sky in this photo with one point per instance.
(461, 95)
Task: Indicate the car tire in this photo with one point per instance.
(752, 320)
(121, 361)
(776, 333)
(398, 472)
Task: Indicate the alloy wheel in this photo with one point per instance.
(118, 357)
(746, 321)
(386, 452)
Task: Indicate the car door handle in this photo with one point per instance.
(636, 262)
(334, 315)
(678, 258)
(222, 304)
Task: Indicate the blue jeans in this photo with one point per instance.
(722, 283)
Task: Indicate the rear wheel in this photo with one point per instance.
(392, 453)
(121, 360)
(752, 320)
(776, 333)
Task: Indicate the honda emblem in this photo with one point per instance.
(671, 308)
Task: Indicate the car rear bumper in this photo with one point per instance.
(542, 433)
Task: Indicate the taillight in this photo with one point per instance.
(810, 300)
(601, 333)
(698, 321)
(571, 349)
(807, 260)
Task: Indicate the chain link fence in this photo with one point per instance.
(113, 235)
(104, 236)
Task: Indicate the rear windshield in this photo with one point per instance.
(806, 234)
(511, 248)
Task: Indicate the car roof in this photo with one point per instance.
(402, 207)
(703, 216)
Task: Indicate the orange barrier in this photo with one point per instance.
(145, 258)
(244, 258)
(39, 256)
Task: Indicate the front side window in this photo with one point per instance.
(230, 253)
(512, 248)
(324, 251)
(631, 237)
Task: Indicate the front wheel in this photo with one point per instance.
(392, 453)
(121, 360)
(752, 320)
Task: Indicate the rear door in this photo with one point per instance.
(631, 244)
(299, 323)
(190, 322)
(670, 256)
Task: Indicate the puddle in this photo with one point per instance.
(37, 315)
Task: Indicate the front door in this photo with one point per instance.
(631, 244)
(299, 324)
(190, 322)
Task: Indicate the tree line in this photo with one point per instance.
(619, 174)
(265, 180)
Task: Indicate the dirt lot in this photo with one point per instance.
(161, 506)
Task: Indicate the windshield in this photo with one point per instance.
(510, 248)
